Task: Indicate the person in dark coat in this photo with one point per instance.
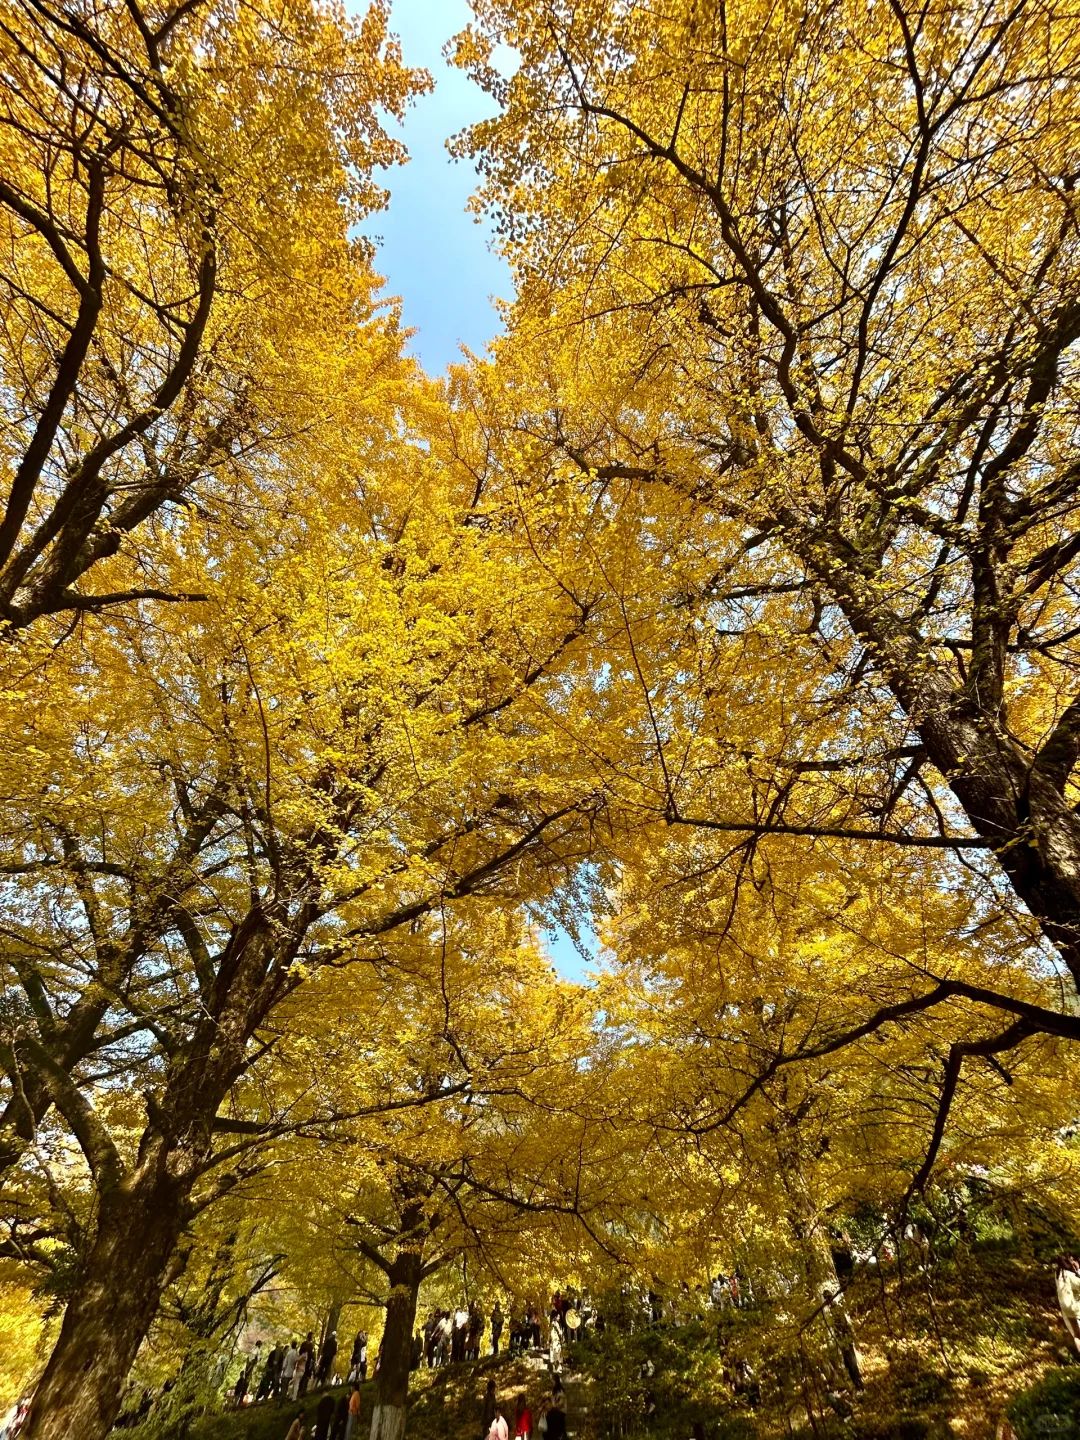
(341, 1418)
(324, 1418)
(307, 1349)
(487, 1409)
(556, 1417)
(268, 1378)
(327, 1358)
(477, 1326)
(431, 1338)
(276, 1388)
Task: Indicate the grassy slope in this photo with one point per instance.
(942, 1355)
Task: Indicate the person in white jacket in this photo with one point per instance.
(1068, 1292)
(288, 1367)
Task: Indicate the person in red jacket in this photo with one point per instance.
(523, 1423)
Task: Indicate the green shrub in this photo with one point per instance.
(1050, 1408)
(930, 1389)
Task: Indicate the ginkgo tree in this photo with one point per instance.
(800, 289)
(207, 806)
(475, 1074)
(734, 593)
(771, 1132)
(175, 181)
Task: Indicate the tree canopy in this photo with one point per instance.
(726, 609)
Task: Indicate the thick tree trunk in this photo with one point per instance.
(142, 1211)
(330, 1324)
(109, 1313)
(392, 1389)
(1039, 846)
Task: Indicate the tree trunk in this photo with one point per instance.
(142, 1211)
(109, 1313)
(392, 1388)
(823, 1281)
(1014, 799)
(20, 1118)
(31, 1099)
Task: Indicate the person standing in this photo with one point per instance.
(555, 1347)
(324, 1418)
(327, 1358)
(1067, 1284)
(288, 1367)
(556, 1416)
(496, 1327)
(299, 1379)
(431, 1338)
(475, 1331)
(522, 1420)
(499, 1428)
(487, 1409)
(446, 1330)
(341, 1418)
(354, 1413)
(243, 1380)
(461, 1326)
(266, 1380)
(307, 1350)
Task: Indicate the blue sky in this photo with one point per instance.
(434, 255)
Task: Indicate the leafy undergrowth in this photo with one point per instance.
(1050, 1408)
(944, 1353)
(267, 1421)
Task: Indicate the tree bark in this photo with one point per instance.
(392, 1387)
(142, 1210)
(108, 1315)
(1014, 799)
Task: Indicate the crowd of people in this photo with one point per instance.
(337, 1421)
(447, 1337)
(450, 1336)
(550, 1420)
(333, 1420)
(288, 1372)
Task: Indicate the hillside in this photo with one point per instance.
(943, 1353)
